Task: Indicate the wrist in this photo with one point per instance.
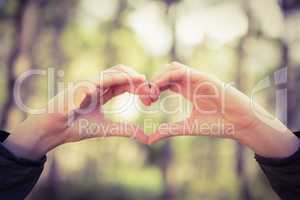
(269, 139)
(27, 147)
(30, 140)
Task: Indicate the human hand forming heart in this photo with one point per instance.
(218, 109)
(61, 121)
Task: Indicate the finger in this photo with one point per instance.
(119, 75)
(127, 69)
(168, 130)
(149, 93)
(175, 75)
(179, 88)
(115, 76)
(163, 81)
(118, 90)
(116, 129)
(166, 68)
(155, 88)
(184, 80)
(197, 75)
(154, 92)
(183, 73)
(144, 92)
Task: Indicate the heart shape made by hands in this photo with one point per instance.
(210, 115)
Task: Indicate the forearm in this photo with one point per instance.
(30, 141)
(24, 147)
(272, 140)
(277, 153)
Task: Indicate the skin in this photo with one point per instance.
(39, 134)
(217, 103)
(212, 103)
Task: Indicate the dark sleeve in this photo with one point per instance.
(17, 175)
(283, 174)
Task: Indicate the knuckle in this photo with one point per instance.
(116, 67)
(176, 64)
(121, 67)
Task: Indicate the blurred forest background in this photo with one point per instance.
(237, 40)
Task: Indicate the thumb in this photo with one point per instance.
(129, 130)
(167, 130)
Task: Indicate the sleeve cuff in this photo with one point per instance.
(3, 135)
(21, 161)
(279, 161)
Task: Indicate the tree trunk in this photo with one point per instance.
(244, 190)
(167, 153)
(58, 56)
(11, 62)
(26, 26)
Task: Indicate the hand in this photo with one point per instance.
(40, 133)
(213, 103)
(216, 104)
